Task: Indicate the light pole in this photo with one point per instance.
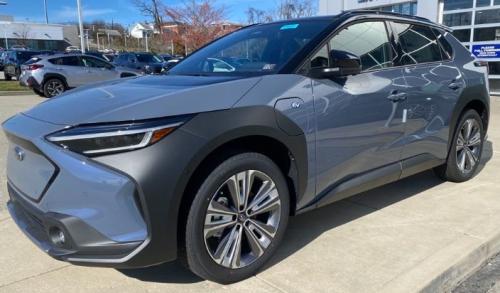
(5, 31)
(98, 44)
(46, 13)
(80, 21)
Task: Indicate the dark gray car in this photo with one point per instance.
(209, 162)
(146, 62)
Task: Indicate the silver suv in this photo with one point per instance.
(52, 75)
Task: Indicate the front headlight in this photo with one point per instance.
(102, 139)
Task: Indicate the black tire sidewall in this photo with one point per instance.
(45, 92)
(452, 171)
(198, 257)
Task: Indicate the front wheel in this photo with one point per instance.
(466, 150)
(237, 219)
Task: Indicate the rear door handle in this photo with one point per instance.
(397, 97)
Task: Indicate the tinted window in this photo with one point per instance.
(368, 41)
(488, 16)
(25, 56)
(255, 50)
(446, 48)
(487, 34)
(457, 19)
(94, 62)
(147, 58)
(457, 4)
(418, 44)
(462, 35)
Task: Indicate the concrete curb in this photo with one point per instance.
(15, 93)
(464, 267)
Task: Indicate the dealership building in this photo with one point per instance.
(476, 23)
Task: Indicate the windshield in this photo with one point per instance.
(260, 49)
(147, 58)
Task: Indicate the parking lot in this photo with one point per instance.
(416, 234)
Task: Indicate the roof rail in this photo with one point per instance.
(378, 12)
(386, 13)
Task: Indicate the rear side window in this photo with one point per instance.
(67, 61)
(418, 44)
(446, 48)
(368, 41)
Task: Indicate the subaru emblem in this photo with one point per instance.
(19, 153)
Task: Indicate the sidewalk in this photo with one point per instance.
(420, 234)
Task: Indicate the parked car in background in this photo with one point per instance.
(14, 60)
(100, 55)
(3, 56)
(51, 75)
(72, 49)
(166, 57)
(172, 62)
(148, 63)
(208, 165)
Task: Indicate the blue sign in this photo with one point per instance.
(486, 51)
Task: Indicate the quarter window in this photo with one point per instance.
(418, 44)
(368, 41)
(446, 49)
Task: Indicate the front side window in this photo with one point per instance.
(94, 62)
(255, 50)
(418, 44)
(368, 41)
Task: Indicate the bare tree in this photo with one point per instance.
(289, 9)
(152, 9)
(24, 35)
(257, 16)
(285, 9)
(198, 22)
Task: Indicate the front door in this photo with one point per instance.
(359, 119)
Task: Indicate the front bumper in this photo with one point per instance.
(118, 210)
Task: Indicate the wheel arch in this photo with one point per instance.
(49, 76)
(289, 153)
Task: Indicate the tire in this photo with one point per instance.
(202, 255)
(466, 149)
(7, 76)
(53, 87)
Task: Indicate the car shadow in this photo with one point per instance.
(304, 228)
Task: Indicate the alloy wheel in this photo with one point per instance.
(242, 219)
(468, 146)
(55, 87)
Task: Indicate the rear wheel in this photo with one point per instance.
(53, 87)
(7, 76)
(237, 219)
(466, 150)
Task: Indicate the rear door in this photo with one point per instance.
(434, 85)
(359, 118)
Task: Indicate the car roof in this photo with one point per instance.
(369, 13)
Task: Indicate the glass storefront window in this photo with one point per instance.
(457, 4)
(409, 8)
(494, 68)
(462, 35)
(457, 19)
(496, 2)
(487, 34)
(488, 16)
(482, 3)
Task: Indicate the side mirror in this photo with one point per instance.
(343, 64)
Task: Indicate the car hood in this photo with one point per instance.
(143, 98)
